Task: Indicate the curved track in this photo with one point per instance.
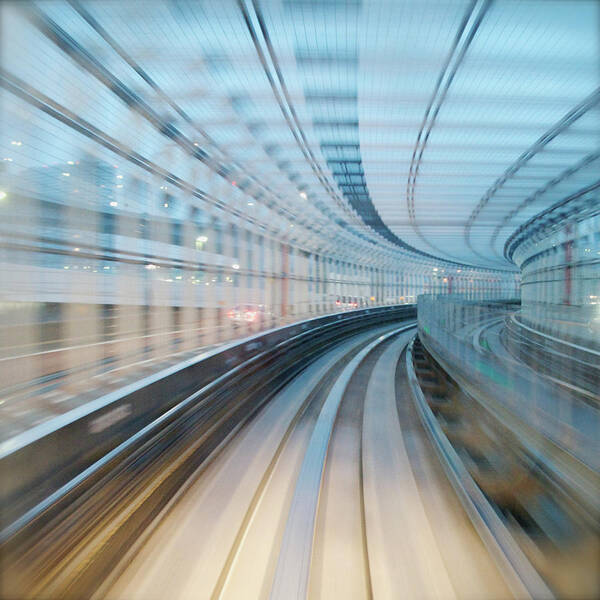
(332, 490)
(489, 337)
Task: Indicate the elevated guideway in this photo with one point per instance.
(333, 458)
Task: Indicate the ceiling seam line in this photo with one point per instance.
(76, 52)
(305, 150)
(14, 85)
(509, 246)
(559, 179)
(141, 72)
(457, 38)
(397, 241)
(566, 121)
(144, 75)
(439, 101)
(277, 93)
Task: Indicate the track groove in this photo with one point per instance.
(362, 525)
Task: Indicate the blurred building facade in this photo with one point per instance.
(126, 240)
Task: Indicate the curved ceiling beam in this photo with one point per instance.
(444, 81)
(545, 218)
(371, 218)
(573, 115)
(283, 97)
(590, 158)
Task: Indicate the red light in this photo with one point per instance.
(234, 183)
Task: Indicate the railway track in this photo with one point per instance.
(332, 490)
(351, 467)
(492, 337)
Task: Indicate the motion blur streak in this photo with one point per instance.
(210, 208)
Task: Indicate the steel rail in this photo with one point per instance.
(293, 567)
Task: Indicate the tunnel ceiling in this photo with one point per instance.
(444, 125)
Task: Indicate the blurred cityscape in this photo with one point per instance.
(213, 214)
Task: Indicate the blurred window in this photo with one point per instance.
(176, 233)
(261, 254)
(217, 229)
(109, 321)
(50, 324)
(235, 240)
(107, 225)
(176, 325)
(143, 227)
(249, 250)
(51, 216)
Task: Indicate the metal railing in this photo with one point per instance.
(556, 425)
